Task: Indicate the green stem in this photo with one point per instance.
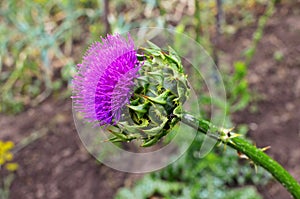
(255, 154)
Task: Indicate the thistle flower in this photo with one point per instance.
(133, 102)
(104, 82)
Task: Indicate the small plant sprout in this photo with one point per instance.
(139, 95)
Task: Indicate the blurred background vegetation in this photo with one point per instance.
(41, 42)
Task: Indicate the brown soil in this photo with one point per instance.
(57, 166)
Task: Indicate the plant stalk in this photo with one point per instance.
(253, 153)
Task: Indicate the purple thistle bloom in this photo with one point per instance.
(105, 79)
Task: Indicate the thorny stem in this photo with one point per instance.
(255, 154)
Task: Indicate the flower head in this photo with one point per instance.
(133, 102)
(105, 79)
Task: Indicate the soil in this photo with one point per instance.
(57, 165)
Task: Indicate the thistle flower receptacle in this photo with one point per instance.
(104, 82)
(136, 96)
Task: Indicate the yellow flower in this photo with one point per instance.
(6, 156)
(8, 145)
(11, 166)
(2, 161)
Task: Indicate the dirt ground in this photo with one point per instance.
(57, 166)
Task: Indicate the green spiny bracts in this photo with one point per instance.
(156, 105)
